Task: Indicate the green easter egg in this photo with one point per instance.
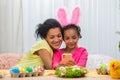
(28, 69)
(103, 67)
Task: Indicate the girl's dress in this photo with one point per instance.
(80, 56)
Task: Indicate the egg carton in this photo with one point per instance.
(102, 72)
(29, 74)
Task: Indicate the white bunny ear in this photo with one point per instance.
(62, 16)
(75, 16)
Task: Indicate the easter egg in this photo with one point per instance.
(22, 70)
(28, 69)
(15, 70)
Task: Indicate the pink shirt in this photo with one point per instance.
(80, 56)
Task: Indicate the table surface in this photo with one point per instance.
(49, 75)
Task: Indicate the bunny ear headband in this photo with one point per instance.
(62, 16)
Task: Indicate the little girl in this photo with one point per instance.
(71, 35)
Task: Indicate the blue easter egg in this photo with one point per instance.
(15, 70)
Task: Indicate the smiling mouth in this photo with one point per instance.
(71, 44)
(57, 44)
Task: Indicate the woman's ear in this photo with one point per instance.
(75, 16)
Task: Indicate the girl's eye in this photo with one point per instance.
(74, 37)
(66, 38)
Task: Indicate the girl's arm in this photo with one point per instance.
(46, 58)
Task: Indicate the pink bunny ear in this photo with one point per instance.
(75, 16)
(62, 16)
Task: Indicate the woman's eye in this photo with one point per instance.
(51, 37)
(59, 36)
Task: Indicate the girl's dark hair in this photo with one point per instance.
(72, 26)
(43, 29)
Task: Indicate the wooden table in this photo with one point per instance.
(49, 75)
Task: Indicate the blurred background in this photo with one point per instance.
(100, 20)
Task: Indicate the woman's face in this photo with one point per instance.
(71, 38)
(54, 38)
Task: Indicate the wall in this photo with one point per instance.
(99, 22)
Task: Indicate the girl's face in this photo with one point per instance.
(54, 38)
(71, 38)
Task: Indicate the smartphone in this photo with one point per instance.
(66, 57)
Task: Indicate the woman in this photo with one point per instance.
(41, 53)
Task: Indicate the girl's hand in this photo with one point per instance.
(67, 63)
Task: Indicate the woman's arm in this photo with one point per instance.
(46, 58)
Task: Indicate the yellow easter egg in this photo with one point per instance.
(22, 70)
